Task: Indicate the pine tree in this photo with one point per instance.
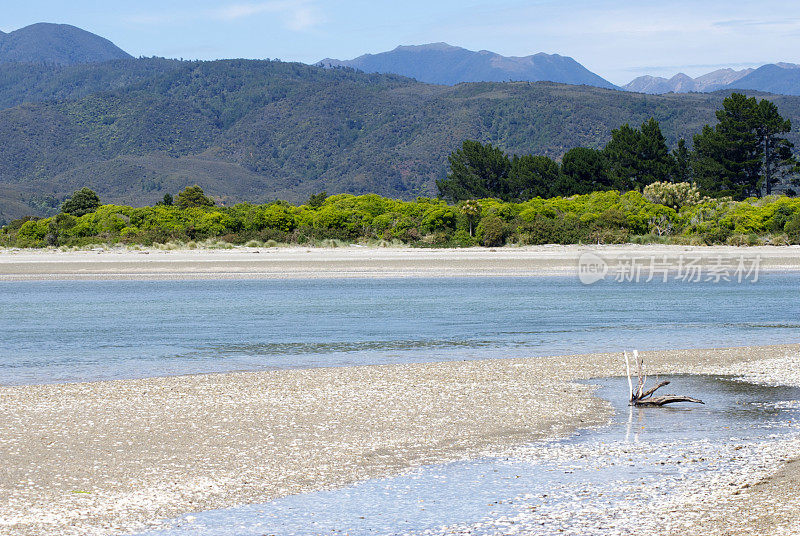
(476, 171)
(655, 162)
(583, 170)
(532, 176)
(622, 154)
(744, 154)
(683, 164)
(638, 157)
(777, 156)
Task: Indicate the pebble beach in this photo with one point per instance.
(116, 457)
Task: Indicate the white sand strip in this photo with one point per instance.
(271, 263)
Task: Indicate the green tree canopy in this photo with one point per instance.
(317, 200)
(193, 196)
(531, 176)
(744, 154)
(657, 164)
(777, 157)
(82, 202)
(638, 157)
(727, 156)
(622, 154)
(683, 162)
(583, 170)
(476, 171)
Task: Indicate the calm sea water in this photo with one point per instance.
(93, 330)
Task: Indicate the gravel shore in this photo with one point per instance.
(354, 261)
(110, 457)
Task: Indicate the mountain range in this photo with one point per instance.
(249, 130)
(435, 63)
(779, 78)
(683, 83)
(440, 63)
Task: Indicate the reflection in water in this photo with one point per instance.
(568, 485)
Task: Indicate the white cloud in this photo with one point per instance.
(744, 23)
(304, 18)
(239, 11)
(296, 15)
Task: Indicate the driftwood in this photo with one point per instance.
(644, 398)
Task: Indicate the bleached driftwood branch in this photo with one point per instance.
(644, 398)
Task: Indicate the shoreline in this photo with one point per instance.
(359, 262)
(110, 457)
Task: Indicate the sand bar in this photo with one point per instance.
(106, 457)
(353, 261)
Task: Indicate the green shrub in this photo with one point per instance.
(717, 235)
(565, 229)
(599, 217)
(612, 218)
(792, 229)
(438, 219)
(673, 195)
(491, 231)
(193, 196)
(463, 239)
(128, 232)
(83, 201)
(782, 215)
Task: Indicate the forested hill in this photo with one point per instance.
(259, 130)
(39, 82)
(60, 44)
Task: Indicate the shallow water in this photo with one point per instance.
(546, 488)
(56, 331)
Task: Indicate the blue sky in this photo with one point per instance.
(617, 39)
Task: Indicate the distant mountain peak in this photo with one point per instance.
(440, 46)
(442, 63)
(63, 44)
(780, 78)
(683, 83)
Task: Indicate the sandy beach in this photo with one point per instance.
(354, 261)
(110, 457)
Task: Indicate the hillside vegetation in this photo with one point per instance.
(40, 82)
(600, 217)
(263, 130)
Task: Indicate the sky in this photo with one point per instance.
(619, 40)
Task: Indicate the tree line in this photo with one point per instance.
(744, 155)
(663, 212)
